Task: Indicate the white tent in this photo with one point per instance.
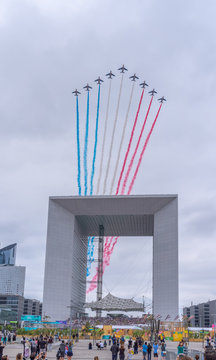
(113, 303)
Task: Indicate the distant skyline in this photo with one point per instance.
(49, 49)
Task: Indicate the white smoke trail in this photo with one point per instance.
(122, 138)
(113, 134)
(104, 138)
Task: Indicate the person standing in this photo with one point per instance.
(5, 338)
(122, 352)
(62, 349)
(135, 347)
(70, 351)
(163, 350)
(149, 351)
(185, 349)
(180, 349)
(155, 349)
(50, 342)
(130, 342)
(144, 349)
(1, 350)
(114, 348)
(130, 355)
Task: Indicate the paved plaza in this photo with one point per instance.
(80, 351)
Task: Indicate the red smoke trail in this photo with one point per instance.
(107, 252)
(143, 150)
(106, 262)
(128, 148)
(129, 144)
(135, 151)
(111, 251)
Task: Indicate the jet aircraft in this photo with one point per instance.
(87, 87)
(133, 77)
(123, 69)
(99, 80)
(152, 92)
(143, 85)
(76, 92)
(110, 74)
(162, 99)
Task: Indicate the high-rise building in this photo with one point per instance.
(202, 315)
(32, 307)
(8, 255)
(12, 280)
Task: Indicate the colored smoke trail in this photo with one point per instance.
(95, 144)
(78, 149)
(122, 138)
(86, 147)
(135, 151)
(113, 135)
(90, 256)
(143, 150)
(130, 142)
(104, 138)
(106, 262)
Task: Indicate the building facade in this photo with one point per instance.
(8, 255)
(11, 307)
(203, 314)
(12, 280)
(71, 220)
(32, 307)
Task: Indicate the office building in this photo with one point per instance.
(11, 307)
(8, 255)
(32, 307)
(12, 280)
(202, 315)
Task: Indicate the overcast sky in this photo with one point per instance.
(49, 48)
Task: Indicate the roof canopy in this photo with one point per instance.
(113, 303)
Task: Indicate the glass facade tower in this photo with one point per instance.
(8, 255)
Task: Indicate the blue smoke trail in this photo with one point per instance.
(86, 148)
(78, 148)
(95, 145)
(90, 256)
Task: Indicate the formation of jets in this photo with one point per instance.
(143, 84)
(153, 92)
(99, 80)
(87, 87)
(133, 77)
(110, 75)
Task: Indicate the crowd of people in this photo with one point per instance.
(36, 348)
(8, 336)
(126, 349)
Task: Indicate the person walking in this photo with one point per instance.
(149, 351)
(114, 348)
(144, 349)
(122, 352)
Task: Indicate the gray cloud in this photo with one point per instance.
(48, 49)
